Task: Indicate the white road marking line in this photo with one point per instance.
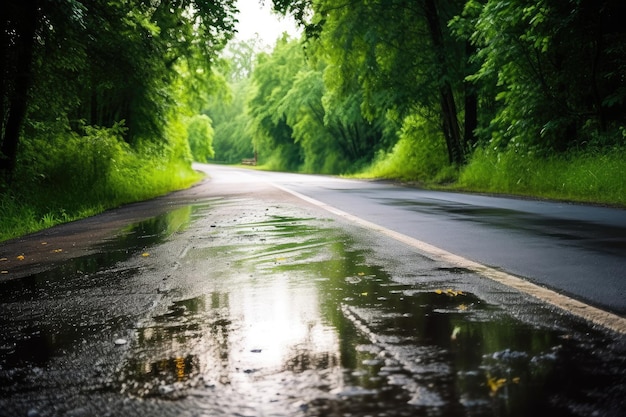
(570, 305)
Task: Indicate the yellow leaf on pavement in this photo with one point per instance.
(495, 384)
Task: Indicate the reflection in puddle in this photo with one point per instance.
(303, 318)
(75, 273)
(36, 343)
(288, 316)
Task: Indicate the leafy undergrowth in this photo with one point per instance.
(590, 177)
(61, 181)
(24, 213)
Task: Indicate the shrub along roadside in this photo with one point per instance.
(67, 177)
(589, 176)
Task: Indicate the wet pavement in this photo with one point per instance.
(255, 305)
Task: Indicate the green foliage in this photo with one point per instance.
(298, 125)
(93, 99)
(552, 66)
(393, 57)
(62, 177)
(200, 137)
(98, 63)
(232, 139)
(589, 176)
(273, 77)
(419, 155)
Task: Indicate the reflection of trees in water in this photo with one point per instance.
(217, 364)
(438, 341)
(187, 341)
(399, 344)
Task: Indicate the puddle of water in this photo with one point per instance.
(36, 341)
(291, 317)
(303, 317)
(128, 242)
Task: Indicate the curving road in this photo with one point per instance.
(257, 294)
(577, 250)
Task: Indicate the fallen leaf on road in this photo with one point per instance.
(455, 333)
(449, 292)
(20, 257)
(145, 254)
(57, 250)
(495, 384)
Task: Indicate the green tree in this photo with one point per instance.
(556, 70)
(70, 62)
(200, 137)
(305, 113)
(398, 58)
(272, 78)
(227, 107)
(232, 140)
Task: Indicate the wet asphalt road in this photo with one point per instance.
(578, 250)
(235, 298)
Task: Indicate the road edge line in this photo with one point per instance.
(574, 307)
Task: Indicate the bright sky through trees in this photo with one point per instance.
(256, 18)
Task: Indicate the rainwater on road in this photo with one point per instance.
(252, 304)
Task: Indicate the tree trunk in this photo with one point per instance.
(25, 28)
(471, 106)
(4, 82)
(449, 118)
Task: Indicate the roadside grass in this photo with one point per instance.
(418, 156)
(596, 177)
(24, 213)
(59, 181)
(589, 177)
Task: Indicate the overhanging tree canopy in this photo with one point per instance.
(99, 61)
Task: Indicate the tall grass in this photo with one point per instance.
(583, 176)
(590, 175)
(419, 155)
(67, 177)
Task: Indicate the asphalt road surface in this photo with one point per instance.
(579, 250)
(268, 294)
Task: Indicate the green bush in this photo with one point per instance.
(419, 154)
(589, 176)
(63, 176)
(200, 136)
